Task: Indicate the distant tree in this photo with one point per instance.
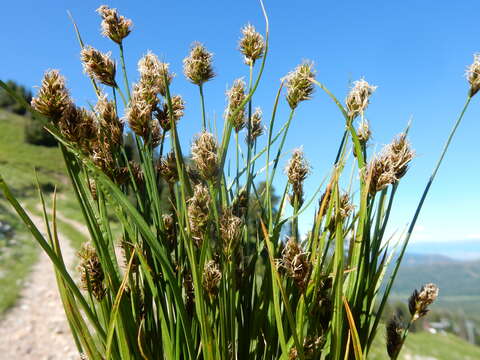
(34, 127)
(7, 102)
(36, 134)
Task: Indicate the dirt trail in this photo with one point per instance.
(36, 328)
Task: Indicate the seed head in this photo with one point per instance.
(155, 74)
(297, 171)
(103, 158)
(91, 271)
(139, 116)
(168, 168)
(230, 231)
(311, 347)
(391, 165)
(400, 155)
(380, 172)
(295, 262)
(110, 125)
(299, 84)
(163, 114)
(114, 26)
(256, 128)
(211, 278)
(197, 66)
(473, 75)
(98, 66)
(78, 126)
(420, 300)
(345, 207)
(251, 45)
(204, 155)
(198, 213)
(358, 98)
(235, 113)
(53, 97)
(169, 223)
(363, 132)
(394, 333)
(240, 203)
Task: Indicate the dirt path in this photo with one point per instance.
(36, 328)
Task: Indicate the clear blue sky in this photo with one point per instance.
(415, 51)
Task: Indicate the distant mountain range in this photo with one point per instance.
(458, 250)
(459, 281)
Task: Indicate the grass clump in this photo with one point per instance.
(207, 272)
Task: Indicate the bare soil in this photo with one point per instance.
(36, 327)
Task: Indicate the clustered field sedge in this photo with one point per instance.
(206, 272)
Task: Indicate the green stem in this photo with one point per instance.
(280, 148)
(202, 98)
(124, 70)
(124, 100)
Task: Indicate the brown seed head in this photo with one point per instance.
(299, 84)
(346, 207)
(169, 223)
(197, 66)
(391, 165)
(363, 132)
(234, 112)
(139, 116)
(114, 26)
(311, 347)
(78, 126)
(400, 155)
(297, 171)
(91, 271)
(420, 300)
(251, 45)
(198, 213)
(211, 278)
(110, 125)
(155, 74)
(295, 262)
(358, 98)
(394, 334)
(256, 128)
(240, 203)
(297, 168)
(98, 66)
(103, 158)
(163, 114)
(204, 155)
(380, 172)
(167, 166)
(473, 75)
(230, 231)
(53, 97)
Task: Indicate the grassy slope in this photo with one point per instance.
(426, 346)
(18, 162)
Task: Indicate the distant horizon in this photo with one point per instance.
(465, 250)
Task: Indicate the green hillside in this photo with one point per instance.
(426, 346)
(18, 162)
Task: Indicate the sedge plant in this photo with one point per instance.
(206, 269)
